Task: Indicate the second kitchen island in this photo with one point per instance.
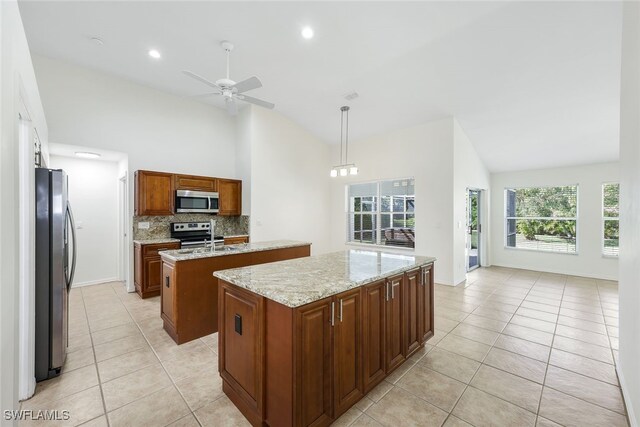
(301, 341)
(189, 293)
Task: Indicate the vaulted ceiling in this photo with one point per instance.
(533, 84)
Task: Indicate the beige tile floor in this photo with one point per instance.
(512, 348)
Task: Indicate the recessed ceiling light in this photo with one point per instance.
(155, 54)
(97, 40)
(307, 33)
(88, 155)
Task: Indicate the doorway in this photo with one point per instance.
(473, 229)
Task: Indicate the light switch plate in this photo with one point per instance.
(143, 226)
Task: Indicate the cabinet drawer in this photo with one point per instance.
(236, 240)
(152, 250)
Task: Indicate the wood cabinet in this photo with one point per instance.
(195, 289)
(395, 324)
(153, 193)
(347, 351)
(313, 338)
(425, 303)
(373, 336)
(168, 299)
(319, 359)
(236, 240)
(230, 197)
(241, 353)
(148, 267)
(195, 183)
(412, 295)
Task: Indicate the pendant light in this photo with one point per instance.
(344, 168)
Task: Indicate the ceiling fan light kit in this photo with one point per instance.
(344, 168)
(229, 89)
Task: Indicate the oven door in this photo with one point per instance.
(196, 202)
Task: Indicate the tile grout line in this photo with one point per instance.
(93, 349)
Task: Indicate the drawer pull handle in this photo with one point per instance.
(166, 281)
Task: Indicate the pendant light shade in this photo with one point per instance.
(344, 168)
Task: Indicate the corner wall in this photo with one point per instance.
(588, 261)
(629, 282)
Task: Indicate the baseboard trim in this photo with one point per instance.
(627, 403)
(95, 282)
(553, 271)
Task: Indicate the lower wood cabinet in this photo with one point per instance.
(308, 365)
(148, 267)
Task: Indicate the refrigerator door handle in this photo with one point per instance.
(75, 246)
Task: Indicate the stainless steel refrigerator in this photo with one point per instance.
(55, 267)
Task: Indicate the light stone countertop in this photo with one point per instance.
(301, 281)
(241, 248)
(156, 241)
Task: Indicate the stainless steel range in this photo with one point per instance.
(194, 234)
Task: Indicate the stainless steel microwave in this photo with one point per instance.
(188, 201)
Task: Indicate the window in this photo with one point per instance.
(610, 219)
(542, 218)
(382, 213)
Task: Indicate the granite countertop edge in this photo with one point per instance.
(156, 241)
(174, 255)
(330, 289)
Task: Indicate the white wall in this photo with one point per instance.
(243, 155)
(157, 130)
(589, 261)
(468, 172)
(424, 152)
(289, 181)
(18, 94)
(93, 195)
(629, 282)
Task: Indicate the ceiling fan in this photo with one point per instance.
(230, 90)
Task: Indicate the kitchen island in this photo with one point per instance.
(301, 341)
(189, 292)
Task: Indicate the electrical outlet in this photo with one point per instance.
(143, 226)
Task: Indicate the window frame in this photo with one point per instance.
(378, 215)
(603, 219)
(576, 219)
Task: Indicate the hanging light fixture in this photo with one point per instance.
(344, 168)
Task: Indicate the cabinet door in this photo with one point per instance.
(230, 197)
(153, 274)
(426, 304)
(168, 294)
(394, 330)
(373, 333)
(347, 351)
(313, 330)
(196, 183)
(412, 319)
(153, 193)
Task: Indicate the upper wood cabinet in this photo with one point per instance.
(195, 183)
(230, 195)
(153, 193)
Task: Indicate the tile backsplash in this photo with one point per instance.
(159, 225)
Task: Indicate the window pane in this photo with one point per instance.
(554, 202)
(385, 221)
(398, 204)
(398, 221)
(542, 235)
(611, 237)
(410, 204)
(403, 237)
(610, 200)
(385, 204)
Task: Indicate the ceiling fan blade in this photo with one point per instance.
(256, 101)
(203, 95)
(200, 79)
(232, 108)
(248, 84)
